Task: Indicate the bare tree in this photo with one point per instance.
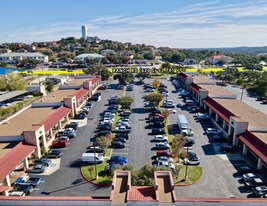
(166, 113)
(178, 146)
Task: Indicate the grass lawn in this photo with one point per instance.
(108, 152)
(100, 171)
(193, 174)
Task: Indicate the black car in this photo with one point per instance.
(156, 119)
(158, 131)
(94, 98)
(157, 124)
(126, 107)
(123, 135)
(53, 154)
(73, 125)
(79, 116)
(97, 149)
(228, 149)
(42, 161)
(114, 107)
(246, 169)
(111, 110)
(27, 189)
(218, 138)
(104, 127)
(89, 104)
(112, 102)
(189, 142)
(117, 144)
(126, 113)
(120, 139)
(97, 94)
(109, 167)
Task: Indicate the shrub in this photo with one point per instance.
(90, 170)
(43, 150)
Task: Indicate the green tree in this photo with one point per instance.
(252, 66)
(125, 101)
(142, 76)
(166, 113)
(155, 83)
(239, 81)
(104, 60)
(178, 146)
(49, 86)
(3, 64)
(13, 81)
(221, 62)
(124, 77)
(154, 98)
(149, 56)
(166, 65)
(98, 70)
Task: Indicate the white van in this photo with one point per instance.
(92, 158)
(190, 102)
(17, 193)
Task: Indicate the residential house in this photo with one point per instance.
(109, 52)
(125, 53)
(189, 61)
(93, 39)
(22, 51)
(84, 57)
(12, 57)
(214, 59)
(5, 51)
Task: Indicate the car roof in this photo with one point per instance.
(116, 157)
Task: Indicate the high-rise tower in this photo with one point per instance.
(84, 32)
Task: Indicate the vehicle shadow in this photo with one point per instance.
(208, 149)
(139, 110)
(153, 157)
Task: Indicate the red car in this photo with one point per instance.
(197, 109)
(164, 153)
(60, 143)
(261, 98)
(102, 87)
(155, 115)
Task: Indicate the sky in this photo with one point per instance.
(171, 23)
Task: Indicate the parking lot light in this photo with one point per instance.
(186, 166)
(96, 177)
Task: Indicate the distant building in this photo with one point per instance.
(12, 57)
(83, 57)
(261, 54)
(189, 61)
(22, 51)
(108, 51)
(84, 32)
(5, 50)
(93, 39)
(214, 59)
(125, 53)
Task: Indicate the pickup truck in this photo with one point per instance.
(31, 181)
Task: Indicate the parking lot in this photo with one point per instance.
(220, 176)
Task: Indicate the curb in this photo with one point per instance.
(195, 181)
(92, 181)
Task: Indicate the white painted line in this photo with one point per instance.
(239, 164)
(118, 153)
(36, 189)
(42, 181)
(234, 171)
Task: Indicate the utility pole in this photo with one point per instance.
(96, 177)
(186, 166)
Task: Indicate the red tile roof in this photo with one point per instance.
(142, 193)
(182, 75)
(195, 87)
(3, 188)
(53, 118)
(219, 109)
(80, 93)
(211, 199)
(14, 157)
(95, 79)
(255, 144)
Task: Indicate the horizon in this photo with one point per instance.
(188, 25)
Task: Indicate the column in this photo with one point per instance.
(67, 117)
(224, 124)
(59, 124)
(245, 150)
(51, 133)
(210, 112)
(7, 180)
(44, 140)
(259, 165)
(26, 163)
(216, 117)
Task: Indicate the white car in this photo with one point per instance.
(123, 124)
(166, 164)
(249, 176)
(192, 161)
(172, 111)
(164, 159)
(63, 138)
(122, 129)
(160, 138)
(213, 131)
(149, 90)
(165, 94)
(69, 129)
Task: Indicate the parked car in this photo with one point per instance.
(213, 131)
(27, 189)
(42, 161)
(89, 105)
(157, 124)
(172, 111)
(124, 135)
(162, 146)
(258, 191)
(53, 154)
(158, 131)
(161, 138)
(156, 118)
(197, 109)
(102, 87)
(79, 116)
(228, 149)
(149, 90)
(246, 169)
(166, 164)
(164, 153)
(261, 98)
(97, 149)
(164, 159)
(104, 127)
(116, 158)
(180, 105)
(250, 176)
(126, 113)
(109, 167)
(122, 129)
(37, 169)
(73, 125)
(94, 98)
(120, 139)
(63, 138)
(118, 144)
(165, 94)
(117, 162)
(218, 138)
(151, 115)
(189, 142)
(256, 182)
(192, 161)
(60, 143)
(129, 89)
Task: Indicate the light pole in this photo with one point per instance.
(96, 177)
(186, 165)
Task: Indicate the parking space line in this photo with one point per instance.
(118, 153)
(36, 189)
(42, 181)
(238, 164)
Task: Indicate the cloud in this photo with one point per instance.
(200, 25)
